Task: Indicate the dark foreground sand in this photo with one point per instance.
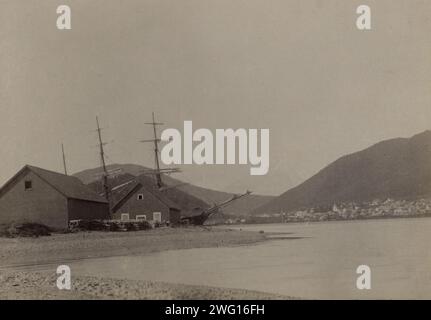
(40, 285)
(27, 253)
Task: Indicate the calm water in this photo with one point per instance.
(319, 261)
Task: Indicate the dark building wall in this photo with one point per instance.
(87, 210)
(147, 206)
(42, 204)
(175, 216)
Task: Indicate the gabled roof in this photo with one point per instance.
(148, 185)
(120, 193)
(69, 186)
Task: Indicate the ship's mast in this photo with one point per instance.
(157, 172)
(156, 141)
(64, 160)
(105, 171)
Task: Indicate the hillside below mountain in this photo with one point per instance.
(397, 168)
(122, 172)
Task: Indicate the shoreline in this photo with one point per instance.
(22, 252)
(236, 226)
(18, 254)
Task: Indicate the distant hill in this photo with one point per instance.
(398, 168)
(122, 183)
(241, 207)
(91, 175)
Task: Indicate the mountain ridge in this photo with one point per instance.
(394, 168)
(240, 207)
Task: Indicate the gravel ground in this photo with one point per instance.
(63, 247)
(40, 285)
(18, 253)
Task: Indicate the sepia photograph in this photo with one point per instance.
(215, 150)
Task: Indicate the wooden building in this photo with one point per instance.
(49, 198)
(140, 199)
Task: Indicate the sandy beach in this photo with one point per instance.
(27, 253)
(41, 285)
(81, 245)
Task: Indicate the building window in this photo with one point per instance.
(140, 196)
(28, 185)
(141, 217)
(125, 217)
(157, 216)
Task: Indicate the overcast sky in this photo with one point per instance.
(297, 67)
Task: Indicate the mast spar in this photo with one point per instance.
(157, 172)
(105, 171)
(64, 159)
